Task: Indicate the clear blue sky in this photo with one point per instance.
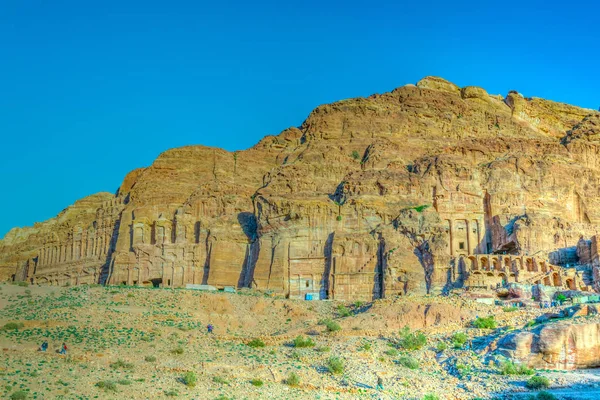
(90, 90)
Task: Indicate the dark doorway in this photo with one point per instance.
(156, 282)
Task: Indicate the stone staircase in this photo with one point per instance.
(365, 265)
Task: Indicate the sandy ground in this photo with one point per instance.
(159, 335)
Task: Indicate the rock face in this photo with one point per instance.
(403, 192)
(567, 346)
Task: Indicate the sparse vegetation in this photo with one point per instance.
(543, 395)
(220, 380)
(430, 397)
(293, 379)
(411, 340)
(441, 346)
(257, 382)
(12, 326)
(510, 368)
(108, 386)
(150, 358)
(485, 322)
(510, 309)
(459, 339)
(178, 350)
(335, 365)
(190, 379)
(408, 362)
(537, 382)
(343, 311)
(331, 325)
(300, 341)
(391, 352)
(256, 343)
(355, 155)
(120, 364)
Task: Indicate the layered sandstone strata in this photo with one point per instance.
(401, 192)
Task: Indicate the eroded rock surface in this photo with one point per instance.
(401, 192)
(556, 346)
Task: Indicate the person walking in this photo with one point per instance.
(209, 328)
(63, 349)
(379, 383)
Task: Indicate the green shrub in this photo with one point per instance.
(411, 340)
(561, 297)
(430, 397)
(441, 346)
(171, 393)
(21, 283)
(359, 304)
(510, 309)
(391, 352)
(20, 395)
(150, 358)
(303, 342)
(178, 350)
(256, 382)
(331, 325)
(109, 386)
(11, 326)
(545, 396)
(463, 370)
(485, 323)
(537, 382)
(408, 362)
(190, 379)
(335, 365)
(256, 343)
(323, 349)
(293, 379)
(510, 368)
(343, 311)
(355, 155)
(218, 379)
(459, 339)
(120, 364)
(124, 382)
(365, 346)
(338, 218)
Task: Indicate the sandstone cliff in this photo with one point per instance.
(406, 191)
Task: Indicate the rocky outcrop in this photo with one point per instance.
(556, 346)
(396, 193)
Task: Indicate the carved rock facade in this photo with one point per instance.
(407, 191)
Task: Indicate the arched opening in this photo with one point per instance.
(543, 267)
(556, 279)
(484, 264)
(547, 281)
(474, 266)
(529, 265)
(496, 264)
(570, 284)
